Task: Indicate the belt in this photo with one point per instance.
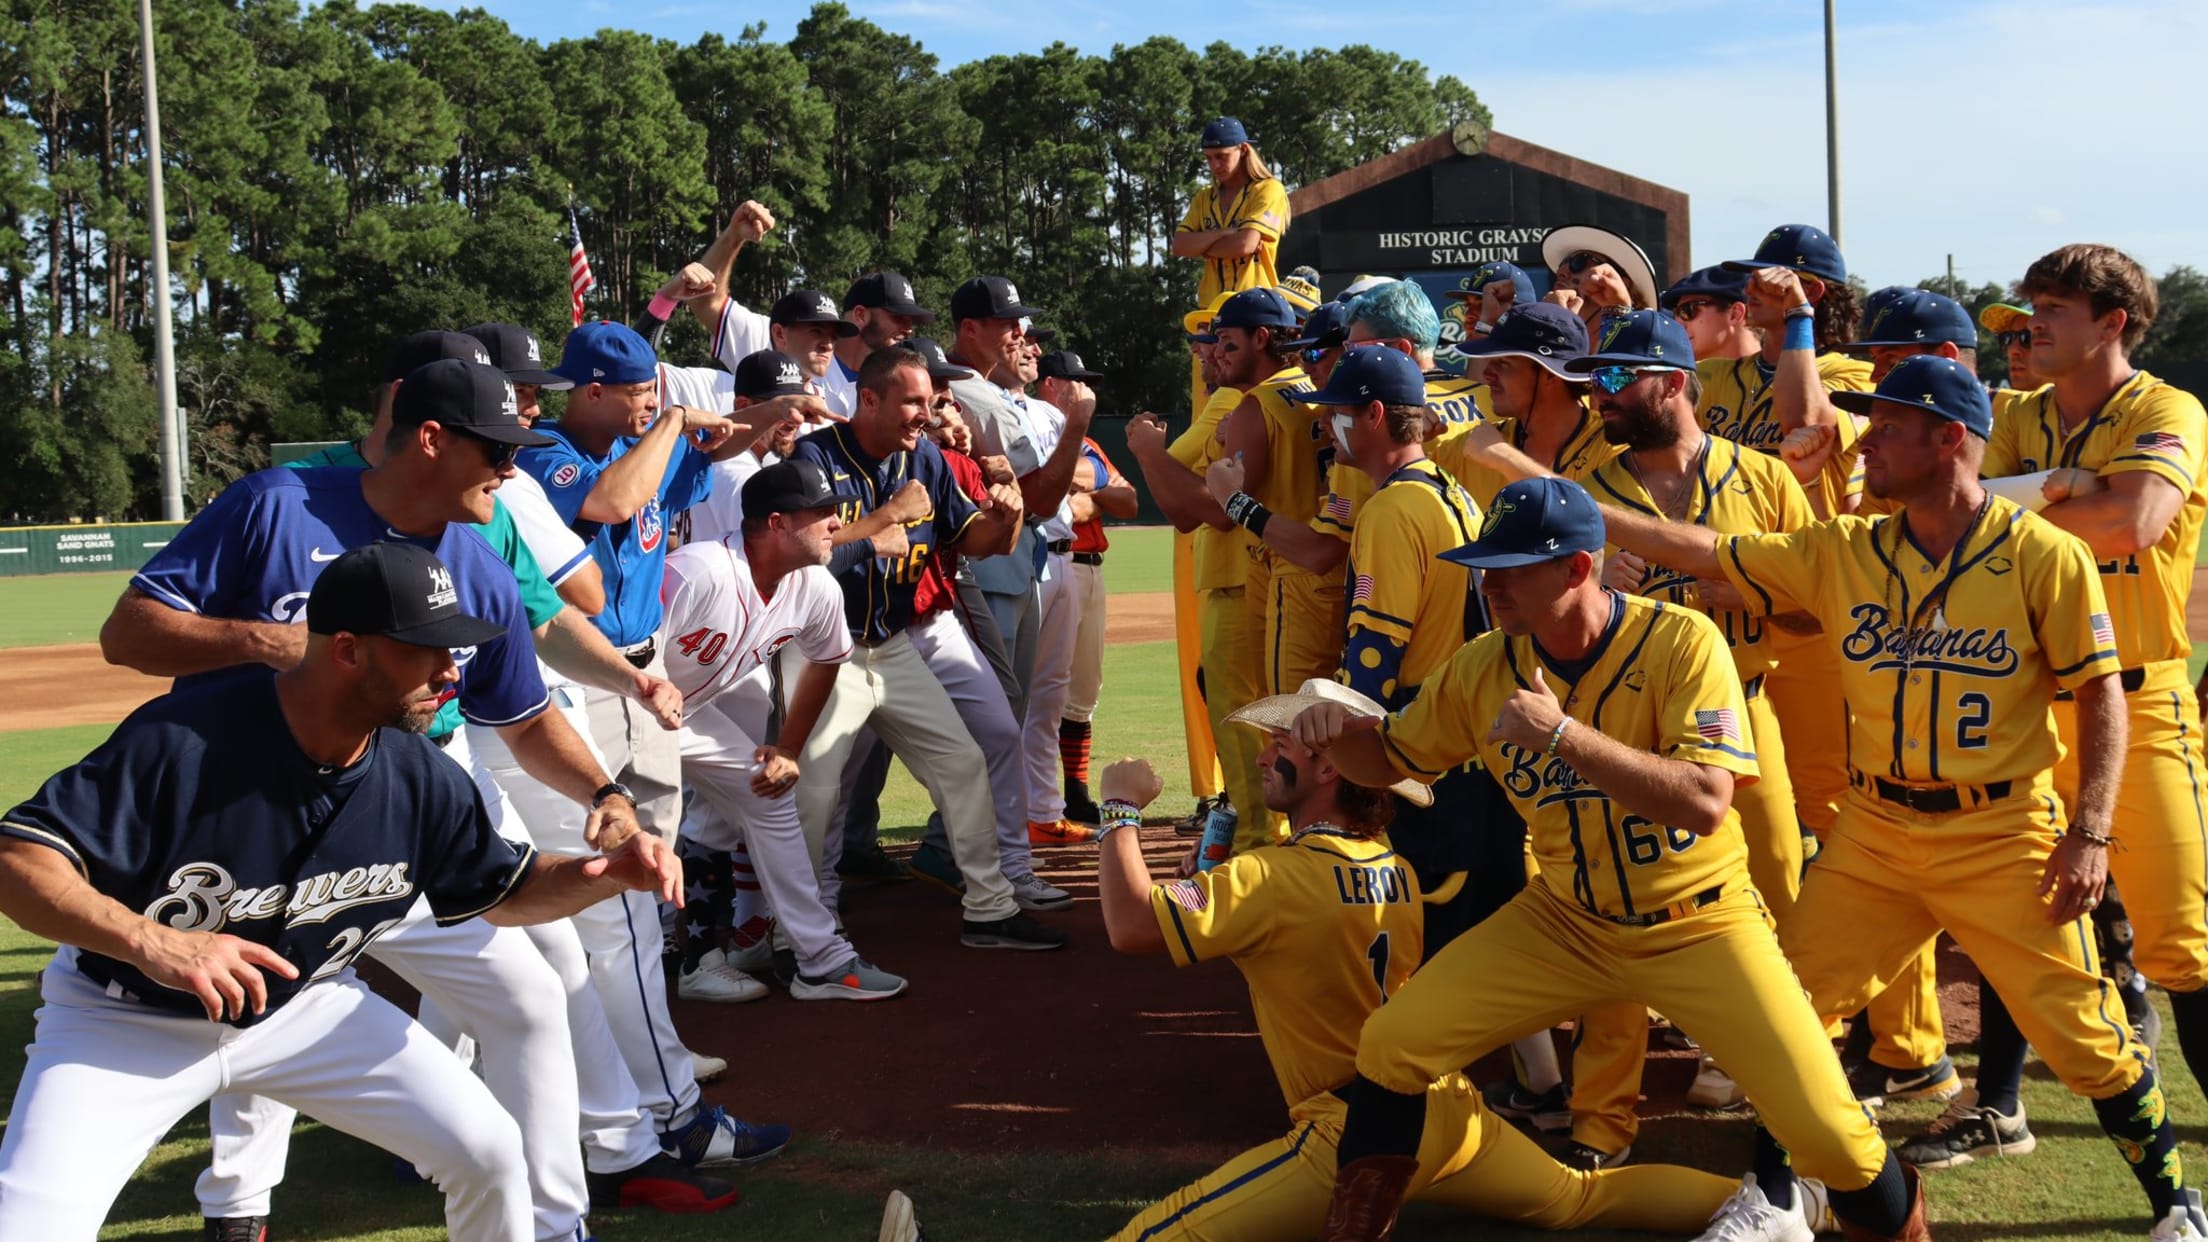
(1933, 799)
(1088, 558)
(1058, 547)
(2130, 679)
(640, 656)
(1753, 687)
(1677, 909)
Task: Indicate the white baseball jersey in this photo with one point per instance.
(700, 388)
(839, 388)
(719, 631)
(558, 550)
(722, 513)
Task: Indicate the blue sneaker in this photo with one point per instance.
(713, 1139)
(935, 865)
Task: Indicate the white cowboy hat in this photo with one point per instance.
(1631, 261)
(1277, 712)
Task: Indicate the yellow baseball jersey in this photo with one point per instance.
(1222, 557)
(1735, 492)
(1736, 404)
(1660, 681)
(1582, 453)
(1298, 449)
(2147, 425)
(1261, 206)
(1949, 667)
(1406, 605)
(1324, 927)
(1458, 402)
(1456, 399)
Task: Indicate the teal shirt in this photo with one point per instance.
(538, 599)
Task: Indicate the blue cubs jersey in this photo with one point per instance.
(201, 813)
(631, 555)
(254, 553)
(877, 593)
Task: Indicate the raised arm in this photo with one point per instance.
(145, 634)
(747, 224)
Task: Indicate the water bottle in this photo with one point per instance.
(1218, 836)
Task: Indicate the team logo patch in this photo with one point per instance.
(649, 529)
(2104, 633)
(566, 475)
(1362, 594)
(2161, 444)
(1720, 725)
(1188, 895)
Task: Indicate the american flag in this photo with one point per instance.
(1188, 895)
(1361, 594)
(1337, 506)
(579, 279)
(2162, 443)
(2104, 634)
(1717, 726)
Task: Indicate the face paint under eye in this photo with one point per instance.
(1285, 770)
(1341, 424)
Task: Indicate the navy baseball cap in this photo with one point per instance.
(514, 350)
(989, 297)
(1804, 247)
(1724, 284)
(809, 306)
(1531, 521)
(1941, 387)
(475, 397)
(1225, 132)
(1323, 328)
(422, 348)
(768, 373)
(939, 363)
(1642, 338)
(1486, 274)
(1542, 332)
(605, 352)
(1370, 373)
(1252, 309)
(1917, 317)
(398, 591)
(1064, 364)
(792, 485)
(888, 291)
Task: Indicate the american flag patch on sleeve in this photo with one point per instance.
(1188, 895)
(1337, 507)
(2161, 444)
(1717, 726)
(2104, 633)
(1361, 592)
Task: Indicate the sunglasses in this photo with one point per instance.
(1578, 263)
(2012, 340)
(1614, 380)
(1317, 353)
(500, 453)
(1686, 310)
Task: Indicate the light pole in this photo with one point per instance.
(1832, 130)
(164, 341)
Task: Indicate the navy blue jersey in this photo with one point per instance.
(633, 554)
(202, 813)
(877, 593)
(253, 555)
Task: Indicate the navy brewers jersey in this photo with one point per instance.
(633, 554)
(877, 593)
(201, 813)
(254, 553)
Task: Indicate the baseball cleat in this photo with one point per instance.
(1714, 1088)
(1083, 810)
(1578, 1155)
(1965, 1132)
(1875, 1084)
(236, 1229)
(663, 1184)
(934, 865)
(714, 979)
(1017, 932)
(1548, 1111)
(705, 1067)
(1058, 832)
(1034, 894)
(713, 1139)
(857, 979)
(898, 1224)
(2185, 1223)
(1750, 1217)
(1193, 825)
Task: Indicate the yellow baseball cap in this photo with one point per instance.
(2002, 317)
(1197, 321)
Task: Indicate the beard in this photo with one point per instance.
(1641, 425)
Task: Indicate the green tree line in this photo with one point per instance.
(340, 175)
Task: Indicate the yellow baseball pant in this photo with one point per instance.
(1203, 753)
(2161, 862)
(1717, 972)
(1890, 878)
(1234, 675)
(1304, 626)
(1612, 1043)
(1467, 1158)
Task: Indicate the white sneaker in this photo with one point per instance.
(1749, 1217)
(757, 957)
(2183, 1224)
(1714, 1088)
(705, 1067)
(1034, 894)
(715, 980)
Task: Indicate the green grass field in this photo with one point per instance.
(830, 1187)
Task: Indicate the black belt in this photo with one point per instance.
(1088, 558)
(1677, 909)
(640, 656)
(1058, 547)
(2130, 679)
(1933, 799)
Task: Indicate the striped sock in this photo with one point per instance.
(1073, 749)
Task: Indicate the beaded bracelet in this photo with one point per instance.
(1557, 738)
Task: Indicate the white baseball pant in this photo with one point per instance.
(1050, 683)
(496, 984)
(958, 664)
(717, 745)
(639, 753)
(1019, 620)
(107, 1078)
(889, 687)
(1090, 609)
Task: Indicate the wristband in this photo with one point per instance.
(2101, 839)
(1557, 738)
(1119, 810)
(662, 307)
(1244, 511)
(1801, 332)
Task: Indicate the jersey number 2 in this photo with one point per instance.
(705, 644)
(1970, 724)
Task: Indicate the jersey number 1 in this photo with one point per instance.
(1377, 954)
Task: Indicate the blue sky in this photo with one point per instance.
(1992, 130)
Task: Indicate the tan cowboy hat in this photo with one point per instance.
(1277, 712)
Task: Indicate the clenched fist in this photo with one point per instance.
(1225, 478)
(911, 503)
(1131, 780)
(751, 222)
(689, 284)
